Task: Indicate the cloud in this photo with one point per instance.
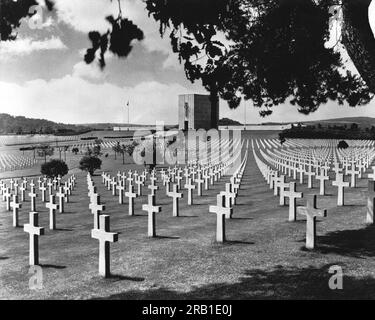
(73, 99)
(25, 46)
(88, 15)
(84, 15)
(172, 62)
(88, 71)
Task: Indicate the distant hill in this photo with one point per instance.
(229, 122)
(22, 125)
(339, 128)
(363, 122)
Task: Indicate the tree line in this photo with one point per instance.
(352, 131)
(22, 125)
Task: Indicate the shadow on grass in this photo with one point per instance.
(353, 243)
(4, 258)
(181, 216)
(52, 266)
(234, 242)
(243, 204)
(277, 283)
(118, 277)
(165, 237)
(352, 205)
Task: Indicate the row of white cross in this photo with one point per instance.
(313, 143)
(278, 184)
(33, 226)
(16, 189)
(11, 162)
(320, 170)
(227, 199)
(194, 174)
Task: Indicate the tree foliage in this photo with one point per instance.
(54, 168)
(285, 59)
(11, 14)
(22, 125)
(329, 132)
(342, 145)
(118, 39)
(90, 164)
(117, 149)
(270, 52)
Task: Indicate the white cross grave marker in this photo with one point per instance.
(340, 184)
(151, 210)
(293, 196)
(104, 236)
(131, 195)
(52, 206)
(34, 231)
(221, 212)
(15, 206)
(175, 195)
(311, 212)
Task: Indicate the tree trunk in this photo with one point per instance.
(358, 38)
(214, 98)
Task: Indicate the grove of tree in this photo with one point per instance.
(274, 51)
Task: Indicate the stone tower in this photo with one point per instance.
(195, 111)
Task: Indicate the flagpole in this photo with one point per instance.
(128, 116)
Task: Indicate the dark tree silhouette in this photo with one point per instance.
(75, 150)
(277, 55)
(90, 164)
(54, 168)
(117, 40)
(342, 145)
(358, 38)
(286, 57)
(116, 149)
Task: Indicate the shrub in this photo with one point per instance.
(54, 168)
(342, 145)
(90, 164)
(96, 151)
(282, 138)
(129, 149)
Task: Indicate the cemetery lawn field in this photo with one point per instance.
(264, 257)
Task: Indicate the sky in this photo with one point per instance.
(42, 73)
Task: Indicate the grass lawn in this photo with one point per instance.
(263, 258)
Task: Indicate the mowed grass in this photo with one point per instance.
(263, 258)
